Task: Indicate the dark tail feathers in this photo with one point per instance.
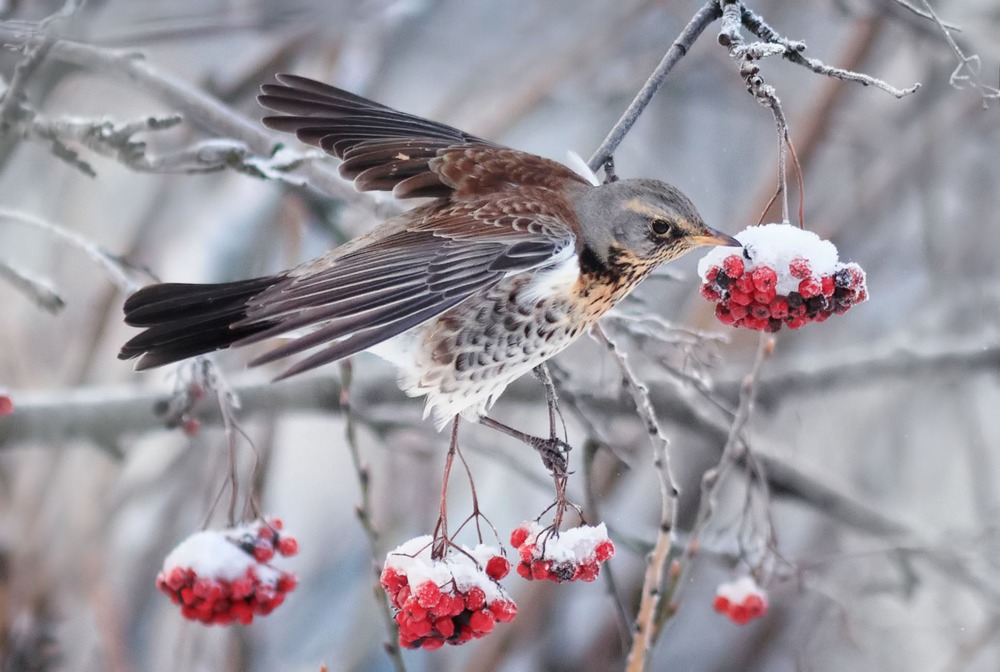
(184, 320)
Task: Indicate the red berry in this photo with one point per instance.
(482, 621)
(800, 268)
(288, 546)
(191, 426)
(720, 604)
(527, 552)
(764, 278)
(287, 582)
(739, 297)
(710, 294)
(744, 284)
(604, 550)
(809, 288)
(723, 314)
(475, 599)
(540, 570)
(428, 594)
(263, 551)
(764, 297)
(6, 405)
(760, 310)
(497, 567)
(826, 282)
(518, 536)
(432, 644)
(712, 274)
(733, 265)
(779, 308)
(503, 610)
(445, 627)
(738, 311)
(587, 572)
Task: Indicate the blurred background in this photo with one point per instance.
(863, 488)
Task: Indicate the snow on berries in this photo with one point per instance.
(220, 577)
(572, 555)
(742, 600)
(446, 601)
(785, 276)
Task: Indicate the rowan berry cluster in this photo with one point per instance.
(785, 276)
(572, 555)
(220, 577)
(741, 600)
(451, 600)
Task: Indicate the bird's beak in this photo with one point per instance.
(713, 237)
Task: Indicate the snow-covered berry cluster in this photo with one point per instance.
(785, 276)
(742, 600)
(447, 601)
(572, 555)
(220, 577)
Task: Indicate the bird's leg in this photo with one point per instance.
(552, 450)
(440, 537)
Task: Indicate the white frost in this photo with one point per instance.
(577, 544)
(413, 559)
(210, 555)
(738, 590)
(775, 245)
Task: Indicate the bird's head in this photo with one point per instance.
(643, 223)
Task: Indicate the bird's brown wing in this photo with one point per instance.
(383, 149)
(445, 253)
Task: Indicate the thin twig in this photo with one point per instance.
(39, 290)
(704, 16)
(363, 510)
(646, 626)
(92, 250)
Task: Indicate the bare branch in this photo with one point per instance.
(704, 16)
(38, 290)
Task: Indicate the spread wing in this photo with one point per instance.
(434, 259)
(384, 149)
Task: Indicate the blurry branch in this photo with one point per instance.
(647, 622)
(603, 154)
(37, 289)
(105, 415)
(969, 70)
(921, 13)
(100, 256)
(896, 364)
(196, 107)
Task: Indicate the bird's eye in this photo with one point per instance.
(661, 227)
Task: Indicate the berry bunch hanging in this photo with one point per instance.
(742, 600)
(450, 600)
(219, 577)
(784, 276)
(572, 555)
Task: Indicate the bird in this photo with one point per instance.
(508, 259)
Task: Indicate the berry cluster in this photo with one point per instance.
(446, 601)
(784, 277)
(220, 577)
(573, 555)
(741, 600)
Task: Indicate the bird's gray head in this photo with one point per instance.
(644, 222)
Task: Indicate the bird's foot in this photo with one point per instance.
(555, 454)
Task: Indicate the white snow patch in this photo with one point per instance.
(577, 544)
(775, 245)
(211, 554)
(740, 589)
(413, 559)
